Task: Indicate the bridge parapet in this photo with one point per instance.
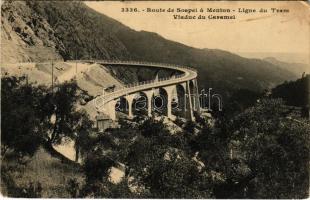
(132, 85)
(140, 86)
(144, 63)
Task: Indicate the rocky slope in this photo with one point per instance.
(90, 77)
(26, 36)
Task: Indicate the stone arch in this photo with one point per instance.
(192, 93)
(140, 104)
(169, 90)
(149, 94)
(192, 86)
(160, 102)
(122, 107)
(179, 100)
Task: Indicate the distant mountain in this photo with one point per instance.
(297, 68)
(281, 56)
(71, 30)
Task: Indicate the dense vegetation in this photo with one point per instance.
(295, 93)
(34, 117)
(258, 152)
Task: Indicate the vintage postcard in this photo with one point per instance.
(155, 99)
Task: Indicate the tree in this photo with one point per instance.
(96, 168)
(161, 164)
(259, 153)
(82, 138)
(33, 115)
(58, 114)
(20, 126)
(121, 190)
(275, 148)
(176, 176)
(294, 93)
(73, 187)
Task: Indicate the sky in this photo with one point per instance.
(251, 33)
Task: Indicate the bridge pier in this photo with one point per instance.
(149, 94)
(169, 90)
(130, 99)
(109, 109)
(189, 112)
(182, 98)
(196, 96)
(156, 76)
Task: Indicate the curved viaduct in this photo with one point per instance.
(186, 80)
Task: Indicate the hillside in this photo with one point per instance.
(297, 68)
(70, 30)
(90, 77)
(294, 93)
(50, 172)
(26, 36)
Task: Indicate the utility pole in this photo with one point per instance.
(26, 79)
(52, 77)
(75, 64)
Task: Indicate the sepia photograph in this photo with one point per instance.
(155, 99)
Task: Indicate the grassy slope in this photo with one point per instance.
(49, 171)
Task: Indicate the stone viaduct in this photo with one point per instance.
(177, 94)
